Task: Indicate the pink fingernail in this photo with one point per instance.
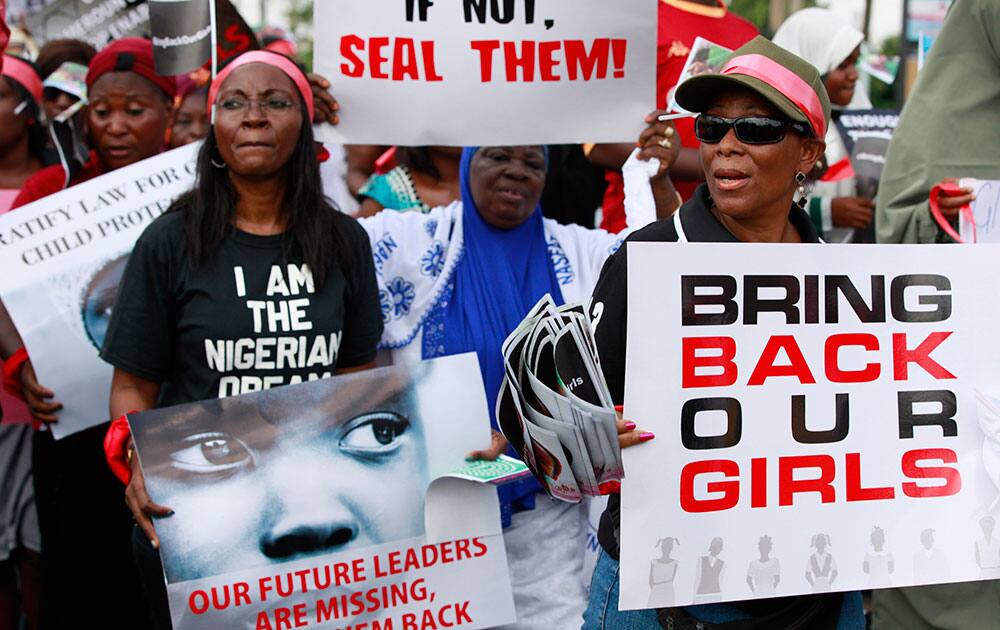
(645, 437)
(630, 426)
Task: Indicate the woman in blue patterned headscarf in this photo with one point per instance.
(460, 279)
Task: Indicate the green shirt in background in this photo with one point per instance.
(950, 126)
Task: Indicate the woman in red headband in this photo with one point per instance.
(256, 220)
(761, 125)
(22, 130)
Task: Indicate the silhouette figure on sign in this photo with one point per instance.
(821, 568)
(662, 572)
(930, 565)
(764, 573)
(709, 574)
(879, 563)
(988, 549)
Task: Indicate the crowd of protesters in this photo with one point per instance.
(78, 549)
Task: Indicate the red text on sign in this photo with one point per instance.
(814, 475)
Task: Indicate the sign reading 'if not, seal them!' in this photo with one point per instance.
(825, 418)
(487, 72)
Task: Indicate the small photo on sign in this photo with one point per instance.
(705, 58)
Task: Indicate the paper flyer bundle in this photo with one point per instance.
(331, 504)
(554, 406)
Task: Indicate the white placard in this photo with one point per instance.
(487, 72)
(985, 210)
(732, 500)
(62, 258)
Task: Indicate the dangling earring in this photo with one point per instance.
(800, 178)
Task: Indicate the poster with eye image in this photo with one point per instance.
(62, 258)
(311, 503)
(827, 426)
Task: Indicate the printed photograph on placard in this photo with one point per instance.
(705, 57)
(301, 477)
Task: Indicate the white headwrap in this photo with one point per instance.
(824, 39)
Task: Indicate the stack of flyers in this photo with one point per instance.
(555, 408)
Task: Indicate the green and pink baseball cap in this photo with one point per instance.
(787, 81)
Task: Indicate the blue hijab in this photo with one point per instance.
(501, 275)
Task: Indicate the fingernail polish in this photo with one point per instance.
(645, 437)
(630, 426)
(619, 407)
(170, 513)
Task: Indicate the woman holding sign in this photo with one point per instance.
(459, 279)
(85, 552)
(761, 126)
(254, 257)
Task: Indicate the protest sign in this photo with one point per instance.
(487, 72)
(181, 31)
(98, 22)
(304, 505)
(62, 258)
(985, 224)
(816, 430)
(882, 67)
(866, 134)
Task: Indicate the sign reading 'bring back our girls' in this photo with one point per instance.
(826, 419)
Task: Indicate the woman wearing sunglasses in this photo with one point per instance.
(761, 124)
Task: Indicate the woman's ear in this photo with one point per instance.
(811, 153)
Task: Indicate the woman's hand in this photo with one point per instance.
(143, 508)
(852, 212)
(659, 140)
(498, 446)
(325, 105)
(628, 434)
(39, 398)
(951, 205)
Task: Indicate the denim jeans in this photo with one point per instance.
(602, 610)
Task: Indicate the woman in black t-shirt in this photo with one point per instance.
(761, 125)
(251, 281)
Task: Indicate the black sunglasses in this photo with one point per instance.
(749, 129)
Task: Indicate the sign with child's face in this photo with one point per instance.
(307, 502)
(63, 257)
(826, 419)
(487, 72)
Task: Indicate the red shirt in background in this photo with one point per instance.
(50, 180)
(680, 22)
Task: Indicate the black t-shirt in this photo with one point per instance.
(609, 310)
(248, 319)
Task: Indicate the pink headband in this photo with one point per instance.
(22, 72)
(791, 85)
(272, 59)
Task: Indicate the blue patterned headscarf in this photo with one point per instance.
(501, 275)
